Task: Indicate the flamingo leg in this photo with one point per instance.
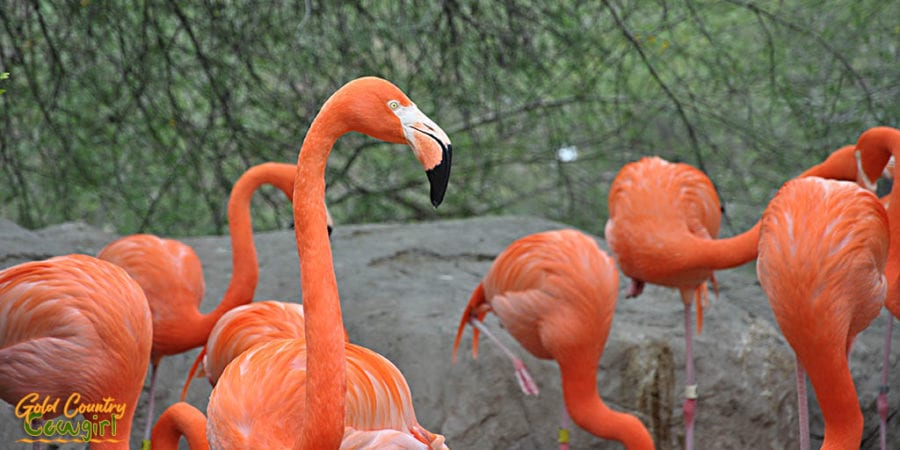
(802, 407)
(150, 402)
(690, 388)
(882, 401)
(635, 288)
(35, 424)
(563, 434)
(529, 387)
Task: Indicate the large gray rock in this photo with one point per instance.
(403, 288)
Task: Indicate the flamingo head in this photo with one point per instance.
(873, 150)
(379, 109)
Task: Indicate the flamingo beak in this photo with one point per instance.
(431, 146)
(439, 175)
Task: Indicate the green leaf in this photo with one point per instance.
(4, 75)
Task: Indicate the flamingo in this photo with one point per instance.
(180, 419)
(876, 147)
(822, 252)
(171, 274)
(555, 292)
(75, 325)
(375, 107)
(247, 408)
(662, 228)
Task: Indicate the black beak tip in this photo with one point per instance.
(439, 177)
(330, 229)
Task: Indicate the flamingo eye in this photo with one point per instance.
(393, 104)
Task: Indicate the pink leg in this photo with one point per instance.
(563, 435)
(883, 390)
(150, 402)
(529, 387)
(635, 288)
(690, 389)
(802, 407)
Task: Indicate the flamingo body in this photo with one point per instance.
(822, 251)
(658, 214)
(74, 324)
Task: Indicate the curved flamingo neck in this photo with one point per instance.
(180, 419)
(725, 253)
(587, 410)
(244, 262)
(740, 249)
(322, 425)
(836, 395)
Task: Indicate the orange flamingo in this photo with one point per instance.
(180, 419)
(75, 325)
(822, 252)
(555, 292)
(172, 275)
(662, 228)
(877, 146)
(379, 109)
(247, 408)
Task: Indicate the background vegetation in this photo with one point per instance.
(139, 116)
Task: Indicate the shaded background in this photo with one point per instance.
(140, 116)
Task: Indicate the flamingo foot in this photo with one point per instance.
(635, 288)
(529, 387)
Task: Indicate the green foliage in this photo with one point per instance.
(141, 118)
